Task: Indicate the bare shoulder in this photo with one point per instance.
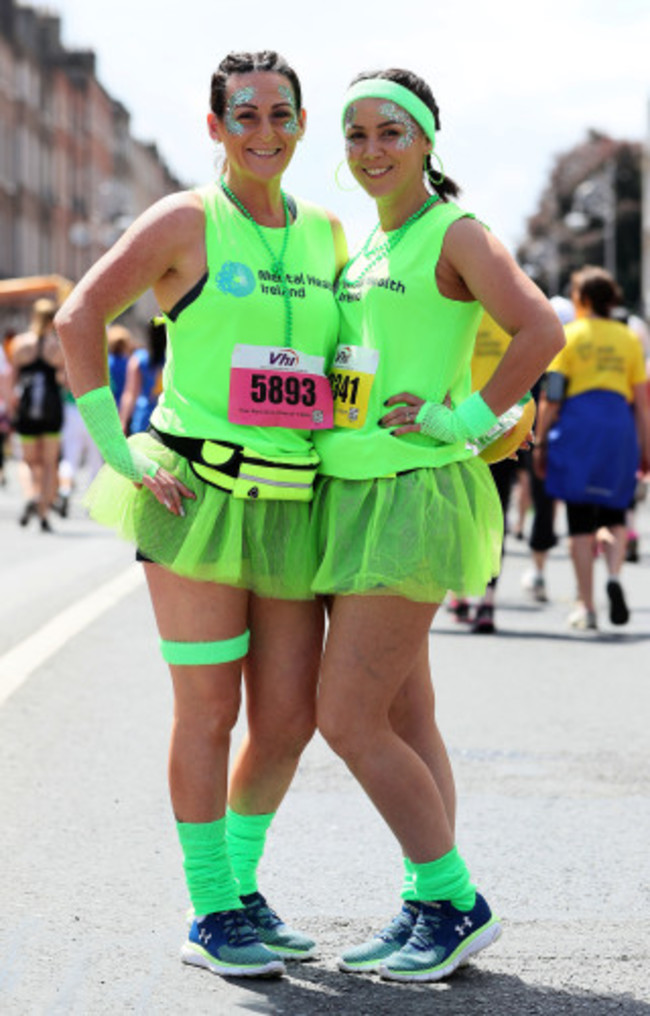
(472, 248)
(468, 237)
(21, 340)
(179, 215)
(463, 239)
(336, 222)
(483, 263)
(23, 349)
(164, 247)
(492, 276)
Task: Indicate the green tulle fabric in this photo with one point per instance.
(417, 535)
(268, 547)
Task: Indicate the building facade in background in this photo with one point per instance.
(645, 226)
(71, 175)
(590, 213)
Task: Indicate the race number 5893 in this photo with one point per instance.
(283, 388)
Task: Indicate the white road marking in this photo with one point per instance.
(21, 661)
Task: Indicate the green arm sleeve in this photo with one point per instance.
(99, 413)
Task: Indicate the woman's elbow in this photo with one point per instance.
(65, 321)
(560, 341)
(554, 332)
(550, 338)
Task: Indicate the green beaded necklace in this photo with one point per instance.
(277, 260)
(383, 249)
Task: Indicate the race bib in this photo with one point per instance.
(351, 378)
(274, 386)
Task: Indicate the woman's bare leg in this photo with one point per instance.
(206, 697)
(281, 676)
(50, 446)
(413, 717)
(373, 646)
(582, 555)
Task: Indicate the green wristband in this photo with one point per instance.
(475, 416)
(99, 413)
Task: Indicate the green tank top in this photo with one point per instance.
(239, 301)
(422, 343)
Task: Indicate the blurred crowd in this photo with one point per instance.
(587, 467)
(590, 453)
(40, 424)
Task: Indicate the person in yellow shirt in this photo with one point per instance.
(593, 435)
(490, 345)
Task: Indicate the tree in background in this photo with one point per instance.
(590, 213)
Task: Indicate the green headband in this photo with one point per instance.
(382, 88)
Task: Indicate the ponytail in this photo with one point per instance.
(440, 184)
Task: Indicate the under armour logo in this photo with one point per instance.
(461, 929)
(204, 936)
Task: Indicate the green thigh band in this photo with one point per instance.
(197, 653)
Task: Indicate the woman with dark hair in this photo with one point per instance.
(593, 436)
(406, 508)
(216, 494)
(143, 381)
(120, 345)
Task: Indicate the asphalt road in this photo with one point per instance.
(548, 732)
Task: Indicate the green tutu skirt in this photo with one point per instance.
(417, 535)
(268, 547)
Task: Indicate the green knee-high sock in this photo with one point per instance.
(445, 879)
(208, 871)
(246, 837)
(408, 882)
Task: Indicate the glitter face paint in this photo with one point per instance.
(399, 115)
(350, 114)
(292, 126)
(240, 97)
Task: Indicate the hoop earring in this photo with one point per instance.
(338, 183)
(219, 159)
(428, 168)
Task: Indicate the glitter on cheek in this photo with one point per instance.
(400, 115)
(292, 126)
(238, 98)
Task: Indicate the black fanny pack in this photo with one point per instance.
(243, 472)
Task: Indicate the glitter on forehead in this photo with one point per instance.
(239, 97)
(395, 112)
(291, 126)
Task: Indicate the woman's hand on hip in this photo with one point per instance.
(402, 417)
(168, 490)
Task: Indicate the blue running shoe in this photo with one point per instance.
(368, 957)
(443, 939)
(274, 933)
(226, 943)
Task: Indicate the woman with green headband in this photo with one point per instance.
(216, 495)
(406, 509)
